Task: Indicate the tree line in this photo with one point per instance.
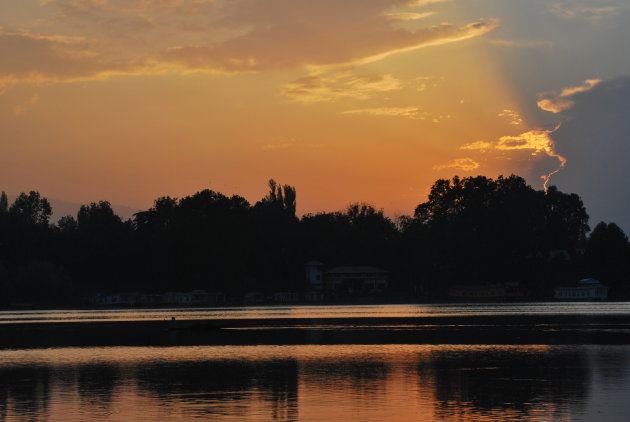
(473, 230)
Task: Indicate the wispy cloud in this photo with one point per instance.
(464, 164)
(337, 34)
(522, 43)
(219, 36)
(556, 102)
(515, 118)
(585, 10)
(331, 87)
(536, 141)
(39, 58)
(411, 112)
(408, 16)
(478, 145)
(309, 46)
(21, 109)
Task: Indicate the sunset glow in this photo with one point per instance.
(372, 100)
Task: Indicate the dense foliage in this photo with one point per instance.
(473, 230)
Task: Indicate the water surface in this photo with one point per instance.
(316, 379)
(300, 311)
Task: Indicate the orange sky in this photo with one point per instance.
(371, 100)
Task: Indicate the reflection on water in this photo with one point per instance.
(316, 383)
(350, 311)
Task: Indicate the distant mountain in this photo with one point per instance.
(61, 208)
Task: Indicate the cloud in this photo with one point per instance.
(223, 36)
(515, 118)
(522, 43)
(411, 112)
(555, 102)
(286, 34)
(585, 11)
(21, 109)
(537, 141)
(331, 87)
(408, 16)
(37, 58)
(595, 138)
(464, 164)
(478, 145)
(417, 3)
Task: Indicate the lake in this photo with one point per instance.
(559, 361)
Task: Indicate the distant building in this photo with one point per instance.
(116, 299)
(357, 279)
(314, 296)
(353, 280)
(192, 298)
(497, 291)
(286, 297)
(216, 297)
(586, 289)
(149, 299)
(315, 275)
(254, 297)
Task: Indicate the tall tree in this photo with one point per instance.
(4, 203)
(31, 209)
(608, 257)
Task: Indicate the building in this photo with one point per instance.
(254, 297)
(286, 297)
(352, 280)
(356, 279)
(586, 289)
(499, 291)
(314, 275)
(116, 299)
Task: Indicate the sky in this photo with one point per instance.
(347, 100)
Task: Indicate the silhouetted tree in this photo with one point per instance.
(31, 209)
(4, 203)
(608, 257)
(469, 230)
(482, 230)
(67, 224)
(275, 239)
(104, 247)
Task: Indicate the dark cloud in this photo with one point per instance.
(596, 143)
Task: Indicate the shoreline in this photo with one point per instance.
(230, 305)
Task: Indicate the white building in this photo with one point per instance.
(586, 289)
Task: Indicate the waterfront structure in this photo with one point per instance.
(314, 275)
(345, 280)
(586, 289)
(192, 298)
(498, 291)
(286, 297)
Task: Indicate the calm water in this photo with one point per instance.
(314, 382)
(357, 311)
